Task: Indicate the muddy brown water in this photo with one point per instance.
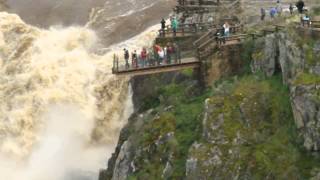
(44, 13)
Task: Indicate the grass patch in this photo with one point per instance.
(307, 79)
(187, 72)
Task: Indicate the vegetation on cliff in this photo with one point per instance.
(251, 133)
(257, 137)
(260, 125)
(168, 134)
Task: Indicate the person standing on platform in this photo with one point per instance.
(143, 56)
(226, 28)
(174, 26)
(177, 53)
(273, 12)
(126, 57)
(163, 27)
(291, 9)
(263, 13)
(300, 6)
(134, 59)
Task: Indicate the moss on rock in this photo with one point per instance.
(307, 79)
(251, 133)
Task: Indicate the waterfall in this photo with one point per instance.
(61, 109)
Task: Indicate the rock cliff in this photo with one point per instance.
(297, 57)
(256, 124)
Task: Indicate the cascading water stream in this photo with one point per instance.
(61, 109)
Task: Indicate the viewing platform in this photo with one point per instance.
(184, 63)
(154, 66)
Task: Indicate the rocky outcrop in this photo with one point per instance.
(306, 110)
(224, 63)
(297, 59)
(278, 53)
(244, 135)
(265, 57)
(122, 166)
(149, 137)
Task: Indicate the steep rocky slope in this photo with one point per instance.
(260, 124)
(298, 58)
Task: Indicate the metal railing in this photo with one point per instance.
(208, 47)
(310, 23)
(186, 29)
(211, 35)
(216, 42)
(151, 60)
(197, 2)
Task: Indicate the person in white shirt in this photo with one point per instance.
(226, 28)
(161, 56)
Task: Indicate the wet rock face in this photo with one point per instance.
(122, 166)
(300, 70)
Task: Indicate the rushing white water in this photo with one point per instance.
(61, 110)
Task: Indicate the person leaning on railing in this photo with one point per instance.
(305, 20)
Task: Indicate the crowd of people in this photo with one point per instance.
(278, 9)
(155, 56)
(170, 53)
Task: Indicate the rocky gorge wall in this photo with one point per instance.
(149, 137)
(298, 59)
(261, 124)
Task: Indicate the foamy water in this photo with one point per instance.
(61, 109)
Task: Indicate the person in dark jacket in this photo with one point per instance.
(163, 27)
(291, 9)
(126, 57)
(300, 6)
